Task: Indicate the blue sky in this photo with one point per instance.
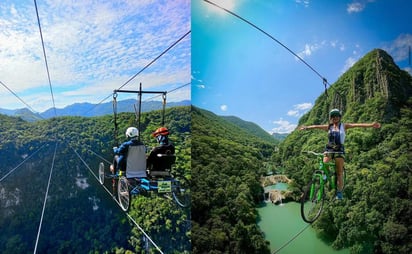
(237, 70)
(92, 48)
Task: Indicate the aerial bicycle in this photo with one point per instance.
(136, 178)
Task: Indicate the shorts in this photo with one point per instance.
(339, 151)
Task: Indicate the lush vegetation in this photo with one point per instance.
(375, 216)
(227, 162)
(80, 216)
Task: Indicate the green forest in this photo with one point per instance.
(375, 217)
(227, 162)
(224, 159)
(80, 217)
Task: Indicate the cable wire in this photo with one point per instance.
(128, 215)
(11, 91)
(270, 36)
(45, 200)
(292, 239)
(1, 179)
(145, 67)
(45, 58)
(171, 91)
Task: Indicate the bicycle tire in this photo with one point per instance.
(123, 194)
(181, 191)
(101, 173)
(311, 204)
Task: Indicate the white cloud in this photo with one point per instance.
(293, 113)
(309, 49)
(348, 63)
(299, 109)
(92, 48)
(304, 106)
(358, 5)
(283, 126)
(399, 48)
(355, 7)
(223, 107)
(303, 2)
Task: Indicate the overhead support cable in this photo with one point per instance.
(45, 58)
(292, 239)
(27, 158)
(11, 91)
(170, 91)
(270, 36)
(130, 217)
(146, 66)
(45, 200)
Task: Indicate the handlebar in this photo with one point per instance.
(321, 154)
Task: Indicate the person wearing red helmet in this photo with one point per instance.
(165, 146)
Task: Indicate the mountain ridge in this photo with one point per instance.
(87, 109)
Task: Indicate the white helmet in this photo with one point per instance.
(132, 132)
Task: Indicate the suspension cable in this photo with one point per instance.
(11, 91)
(45, 58)
(45, 200)
(270, 36)
(145, 67)
(292, 239)
(170, 91)
(128, 215)
(98, 155)
(115, 132)
(27, 158)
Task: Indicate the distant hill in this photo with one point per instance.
(280, 136)
(90, 109)
(250, 127)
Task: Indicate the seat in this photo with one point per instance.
(162, 165)
(136, 161)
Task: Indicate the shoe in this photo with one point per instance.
(339, 195)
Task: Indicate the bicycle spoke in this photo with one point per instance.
(312, 201)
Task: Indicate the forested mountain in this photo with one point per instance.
(227, 162)
(90, 109)
(252, 128)
(375, 216)
(80, 216)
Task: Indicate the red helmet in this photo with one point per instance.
(161, 131)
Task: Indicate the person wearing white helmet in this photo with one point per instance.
(119, 162)
(336, 138)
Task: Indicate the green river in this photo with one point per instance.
(280, 223)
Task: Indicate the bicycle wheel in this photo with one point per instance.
(181, 191)
(101, 173)
(312, 201)
(123, 194)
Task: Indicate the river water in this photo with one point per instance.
(280, 223)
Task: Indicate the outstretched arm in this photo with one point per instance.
(322, 127)
(362, 125)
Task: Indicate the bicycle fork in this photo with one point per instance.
(315, 189)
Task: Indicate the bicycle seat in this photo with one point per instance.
(162, 165)
(136, 162)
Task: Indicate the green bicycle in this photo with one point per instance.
(313, 197)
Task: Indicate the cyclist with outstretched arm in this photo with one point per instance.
(336, 137)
